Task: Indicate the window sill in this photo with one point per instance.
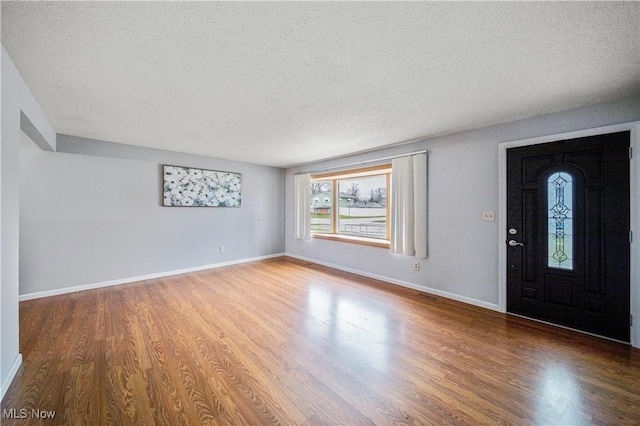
(371, 242)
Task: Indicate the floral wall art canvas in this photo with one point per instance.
(188, 187)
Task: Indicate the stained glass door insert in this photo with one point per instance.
(560, 220)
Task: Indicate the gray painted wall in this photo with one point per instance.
(91, 213)
(463, 182)
(20, 112)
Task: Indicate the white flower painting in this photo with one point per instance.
(201, 188)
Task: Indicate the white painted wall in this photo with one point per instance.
(17, 101)
(91, 213)
(463, 182)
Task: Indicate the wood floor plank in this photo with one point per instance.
(287, 342)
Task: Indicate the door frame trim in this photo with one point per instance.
(634, 189)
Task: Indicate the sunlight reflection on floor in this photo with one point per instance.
(357, 330)
(559, 397)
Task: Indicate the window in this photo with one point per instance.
(322, 206)
(560, 220)
(352, 205)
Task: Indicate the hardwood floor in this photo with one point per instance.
(284, 342)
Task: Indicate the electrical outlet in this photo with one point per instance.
(416, 266)
(221, 249)
(489, 216)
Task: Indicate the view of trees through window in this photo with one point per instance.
(362, 206)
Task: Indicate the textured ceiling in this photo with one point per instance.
(287, 83)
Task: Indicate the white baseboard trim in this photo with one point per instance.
(73, 289)
(424, 289)
(12, 373)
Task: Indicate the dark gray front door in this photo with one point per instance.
(568, 223)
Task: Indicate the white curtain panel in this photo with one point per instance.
(302, 206)
(409, 205)
(420, 205)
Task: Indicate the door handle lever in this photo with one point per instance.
(514, 243)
